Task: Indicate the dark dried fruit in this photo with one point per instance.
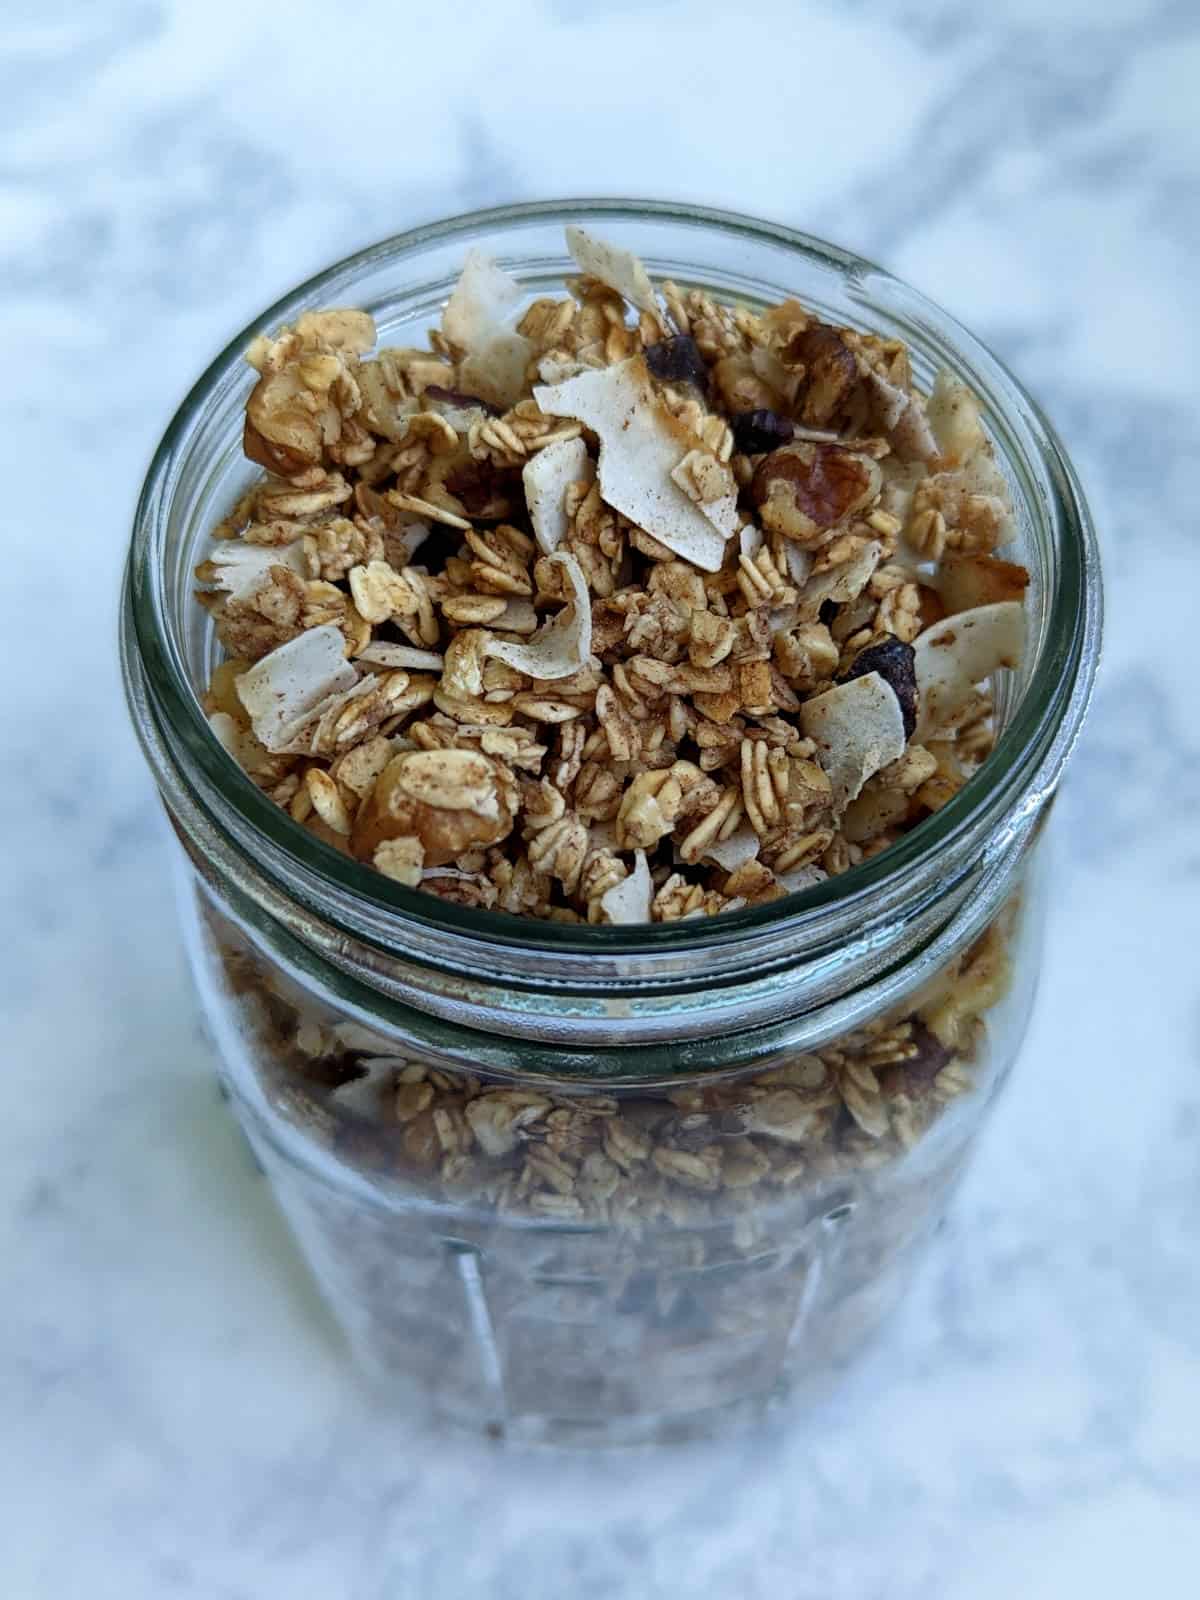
(456, 397)
(756, 431)
(678, 360)
(804, 489)
(893, 660)
(830, 371)
(482, 489)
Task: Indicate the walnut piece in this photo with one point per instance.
(449, 800)
(804, 489)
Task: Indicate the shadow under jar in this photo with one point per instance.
(611, 1184)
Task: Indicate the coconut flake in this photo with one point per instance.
(308, 733)
(958, 652)
(629, 900)
(902, 417)
(840, 584)
(291, 682)
(238, 569)
(640, 445)
(496, 369)
(734, 852)
(953, 414)
(750, 540)
(482, 302)
(547, 476)
(618, 269)
(404, 657)
(477, 320)
(799, 563)
(801, 878)
(563, 645)
(858, 728)
(966, 582)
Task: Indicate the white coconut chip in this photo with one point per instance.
(629, 900)
(640, 445)
(902, 417)
(562, 646)
(477, 319)
(496, 369)
(750, 540)
(401, 657)
(312, 731)
(482, 302)
(238, 569)
(840, 584)
(619, 269)
(801, 878)
(547, 476)
(958, 652)
(954, 417)
(799, 563)
(857, 728)
(734, 852)
(288, 685)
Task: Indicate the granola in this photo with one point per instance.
(723, 1236)
(541, 618)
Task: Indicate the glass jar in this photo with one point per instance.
(611, 1183)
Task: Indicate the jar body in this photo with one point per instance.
(563, 1261)
(601, 1183)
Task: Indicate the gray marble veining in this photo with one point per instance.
(176, 1414)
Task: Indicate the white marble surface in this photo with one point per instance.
(175, 1417)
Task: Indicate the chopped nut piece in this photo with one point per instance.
(450, 800)
(803, 490)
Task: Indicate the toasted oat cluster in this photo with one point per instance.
(692, 1153)
(621, 607)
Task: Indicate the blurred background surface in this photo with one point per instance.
(176, 1414)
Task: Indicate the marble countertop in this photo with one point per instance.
(176, 1418)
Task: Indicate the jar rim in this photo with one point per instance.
(1013, 783)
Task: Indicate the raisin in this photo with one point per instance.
(678, 360)
(456, 397)
(893, 660)
(756, 431)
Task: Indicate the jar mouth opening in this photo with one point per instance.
(1015, 780)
